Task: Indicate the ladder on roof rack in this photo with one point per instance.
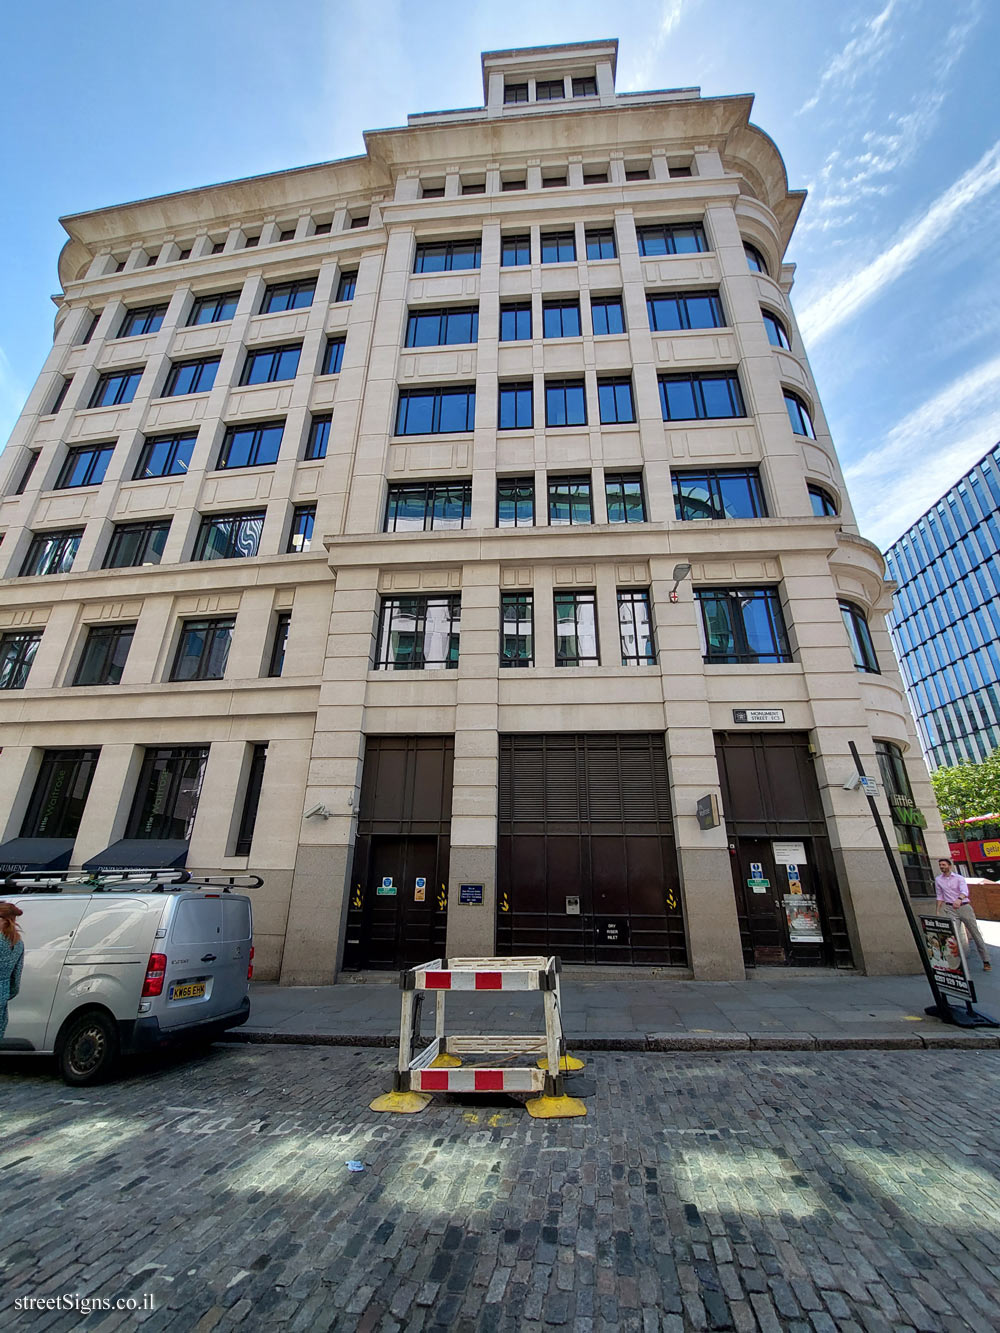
(131, 881)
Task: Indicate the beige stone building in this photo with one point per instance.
(435, 532)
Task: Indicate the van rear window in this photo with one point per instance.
(197, 920)
(235, 919)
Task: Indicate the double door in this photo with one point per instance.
(399, 909)
(781, 901)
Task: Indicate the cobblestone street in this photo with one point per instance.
(802, 1191)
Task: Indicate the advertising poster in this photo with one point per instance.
(802, 914)
(947, 957)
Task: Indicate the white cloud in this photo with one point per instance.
(845, 298)
(861, 53)
(641, 77)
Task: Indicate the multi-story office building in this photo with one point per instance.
(447, 534)
(945, 620)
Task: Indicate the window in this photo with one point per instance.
(300, 535)
(625, 499)
(229, 536)
(346, 286)
(517, 629)
(29, 467)
(755, 260)
(798, 415)
(515, 502)
(515, 92)
(214, 309)
(565, 403)
(558, 247)
(601, 243)
(60, 794)
(254, 445)
(570, 501)
(859, 636)
(670, 311)
(742, 625)
(614, 400)
(679, 169)
(561, 319)
(164, 456)
(322, 228)
(90, 327)
(267, 365)
(60, 397)
(166, 797)
(682, 238)
(638, 171)
(551, 182)
(17, 652)
(549, 90)
(203, 649)
(718, 493)
(282, 624)
(51, 552)
(446, 256)
(104, 655)
(436, 411)
(585, 87)
(191, 376)
(516, 406)
(515, 322)
(635, 627)
(513, 183)
(607, 315)
(423, 506)
(418, 633)
(333, 356)
(701, 397)
(823, 504)
(84, 466)
(576, 629)
(288, 295)
(319, 436)
(115, 387)
(438, 328)
(250, 241)
(360, 220)
(595, 176)
(432, 192)
(134, 544)
(251, 802)
(905, 818)
(146, 319)
(777, 334)
(287, 234)
(515, 251)
(218, 247)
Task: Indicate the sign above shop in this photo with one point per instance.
(707, 811)
(758, 715)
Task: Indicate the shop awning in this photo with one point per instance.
(140, 854)
(21, 854)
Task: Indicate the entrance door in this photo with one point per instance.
(781, 917)
(403, 920)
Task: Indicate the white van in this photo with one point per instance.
(128, 964)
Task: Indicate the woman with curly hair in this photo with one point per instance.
(11, 958)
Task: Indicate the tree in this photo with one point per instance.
(968, 792)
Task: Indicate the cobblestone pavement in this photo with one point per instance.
(805, 1192)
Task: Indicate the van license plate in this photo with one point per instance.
(189, 991)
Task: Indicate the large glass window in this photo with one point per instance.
(576, 629)
(515, 502)
(558, 247)
(515, 92)
(17, 652)
(165, 456)
(718, 493)
(670, 311)
(135, 544)
(742, 625)
(301, 532)
(607, 315)
(288, 295)
(52, 552)
(777, 334)
(515, 322)
(251, 802)
(253, 445)
(701, 397)
(565, 403)
(823, 504)
(214, 309)
(203, 649)
(319, 436)
(601, 243)
(517, 629)
(115, 387)
(516, 409)
(438, 328)
(191, 376)
(146, 319)
(585, 87)
(418, 633)
(798, 415)
(570, 501)
(229, 536)
(515, 251)
(755, 260)
(635, 627)
(614, 400)
(859, 637)
(85, 465)
(561, 319)
(267, 365)
(333, 356)
(446, 256)
(167, 794)
(425, 505)
(104, 655)
(907, 820)
(680, 238)
(436, 411)
(60, 794)
(346, 286)
(625, 499)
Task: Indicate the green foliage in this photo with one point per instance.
(968, 791)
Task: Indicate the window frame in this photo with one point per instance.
(433, 494)
(94, 471)
(512, 94)
(150, 316)
(106, 653)
(560, 240)
(713, 478)
(438, 394)
(523, 599)
(257, 430)
(564, 386)
(279, 644)
(333, 354)
(755, 260)
(615, 395)
(801, 408)
(200, 366)
(384, 660)
(697, 380)
(67, 545)
(588, 91)
(859, 636)
(56, 807)
(128, 383)
(318, 440)
(289, 291)
(60, 397)
(251, 799)
(736, 599)
(239, 521)
(17, 652)
(559, 308)
(512, 484)
(600, 238)
(669, 232)
(580, 481)
(828, 507)
(679, 300)
(516, 309)
(149, 445)
(302, 525)
(521, 392)
(579, 599)
(449, 251)
(772, 322)
(632, 598)
(347, 285)
(619, 481)
(217, 303)
(516, 243)
(443, 315)
(606, 303)
(145, 820)
(277, 354)
(147, 531)
(212, 660)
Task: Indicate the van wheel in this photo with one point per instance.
(88, 1051)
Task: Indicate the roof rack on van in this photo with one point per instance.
(130, 881)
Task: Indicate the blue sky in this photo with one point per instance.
(885, 110)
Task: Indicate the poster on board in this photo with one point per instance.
(802, 915)
(947, 957)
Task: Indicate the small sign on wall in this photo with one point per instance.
(471, 893)
(789, 853)
(386, 889)
(758, 715)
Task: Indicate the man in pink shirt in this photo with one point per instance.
(953, 896)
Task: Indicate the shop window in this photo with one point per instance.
(60, 794)
(167, 793)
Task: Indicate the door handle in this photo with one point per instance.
(208, 958)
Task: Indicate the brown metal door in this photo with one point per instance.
(402, 922)
(757, 884)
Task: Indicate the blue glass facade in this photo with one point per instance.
(945, 621)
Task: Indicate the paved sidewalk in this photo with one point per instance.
(772, 1010)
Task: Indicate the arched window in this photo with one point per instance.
(777, 334)
(860, 638)
(798, 415)
(755, 259)
(823, 503)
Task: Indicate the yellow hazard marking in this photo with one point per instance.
(357, 901)
(554, 1108)
(504, 903)
(404, 1103)
(442, 899)
(445, 1061)
(671, 900)
(494, 1121)
(567, 1063)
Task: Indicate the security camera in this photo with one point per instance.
(319, 810)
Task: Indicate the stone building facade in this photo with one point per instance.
(452, 536)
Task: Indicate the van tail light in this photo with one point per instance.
(156, 970)
(250, 967)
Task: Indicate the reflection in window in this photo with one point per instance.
(777, 334)
(428, 505)
(798, 415)
(104, 655)
(515, 502)
(167, 794)
(436, 411)
(570, 501)
(701, 397)
(333, 356)
(755, 260)
(191, 377)
(267, 365)
(252, 445)
(165, 456)
(635, 627)
(672, 311)
(17, 652)
(859, 637)
(517, 635)
(624, 497)
(203, 649)
(52, 552)
(718, 493)
(134, 544)
(742, 625)
(85, 466)
(114, 388)
(229, 536)
(319, 436)
(60, 794)
(301, 532)
(576, 629)
(145, 320)
(418, 633)
(439, 328)
(823, 504)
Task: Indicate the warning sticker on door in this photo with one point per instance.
(386, 889)
(420, 889)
